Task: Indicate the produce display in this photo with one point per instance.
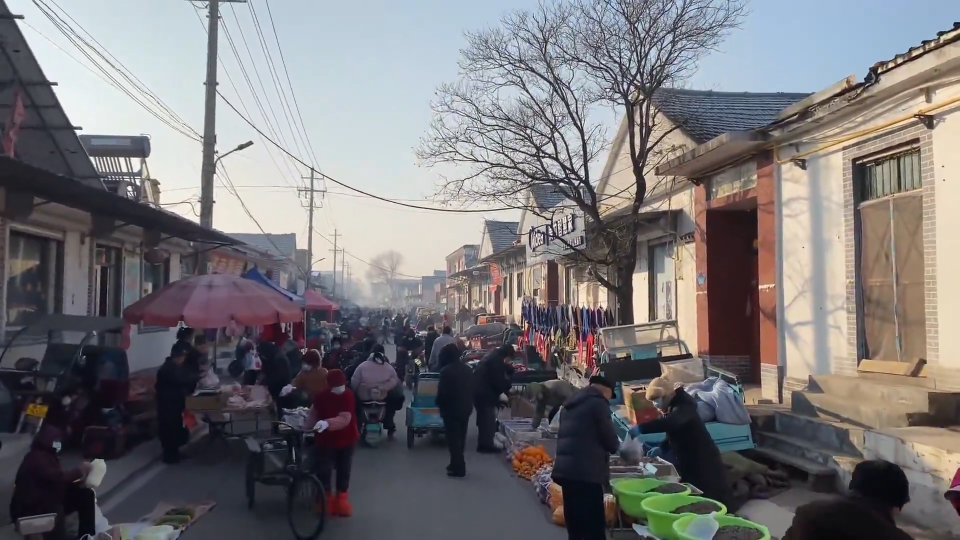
(528, 461)
(737, 532)
(667, 489)
(699, 507)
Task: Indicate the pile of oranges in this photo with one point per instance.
(529, 460)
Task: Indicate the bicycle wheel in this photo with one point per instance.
(306, 506)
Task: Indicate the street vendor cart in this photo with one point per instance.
(635, 354)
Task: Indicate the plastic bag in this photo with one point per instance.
(631, 451)
(98, 469)
(555, 496)
(100, 522)
(555, 424)
(702, 527)
(558, 517)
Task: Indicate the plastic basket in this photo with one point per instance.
(660, 516)
(631, 492)
(680, 525)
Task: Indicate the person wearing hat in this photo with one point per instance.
(548, 395)
(312, 378)
(878, 491)
(697, 457)
(585, 441)
(334, 446)
(491, 380)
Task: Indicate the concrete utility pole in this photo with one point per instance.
(311, 204)
(343, 270)
(208, 165)
(334, 250)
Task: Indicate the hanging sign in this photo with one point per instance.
(557, 237)
(496, 276)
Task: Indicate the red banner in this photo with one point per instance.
(495, 276)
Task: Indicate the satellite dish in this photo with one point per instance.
(155, 256)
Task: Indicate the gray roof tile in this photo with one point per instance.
(502, 234)
(547, 196)
(705, 115)
(280, 245)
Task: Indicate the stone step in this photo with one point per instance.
(859, 412)
(819, 478)
(835, 436)
(841, 464)
(939, 403)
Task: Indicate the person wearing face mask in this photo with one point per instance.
(878, 491)
(172, 387)
(333, 447)
(377, 380)
(585, 441)
(312, 378)
(696, 456)
(43, 487)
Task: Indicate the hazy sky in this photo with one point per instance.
(364, 73)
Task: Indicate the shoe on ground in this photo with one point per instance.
(486, 450)
(343, 506)
(456, 474)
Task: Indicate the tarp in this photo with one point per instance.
(317, 301)
(255, 275)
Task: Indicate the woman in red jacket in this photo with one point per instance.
(333, 447)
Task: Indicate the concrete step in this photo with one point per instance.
(838, 437)
(819, 478)
(859, 412)
(938, 403)
(841, 464)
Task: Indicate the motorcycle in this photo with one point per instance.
(371, 421)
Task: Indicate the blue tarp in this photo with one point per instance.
(255, 275)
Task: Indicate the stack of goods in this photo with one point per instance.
(166, 522)
(555, 501)
(528, 461)
(753, 480)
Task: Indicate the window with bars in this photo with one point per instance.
(890, 175)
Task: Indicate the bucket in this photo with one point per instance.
(660, 516)
(680, 525)
(631, 493)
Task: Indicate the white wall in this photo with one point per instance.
(813, 324)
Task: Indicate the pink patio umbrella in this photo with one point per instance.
(316, 301)
(213, 301)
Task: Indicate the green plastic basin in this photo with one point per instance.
(680, 525)
(631, 493)
(660, 518)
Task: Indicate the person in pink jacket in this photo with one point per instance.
(953, 494)
(376, 380)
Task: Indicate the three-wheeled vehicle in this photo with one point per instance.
(636, 354)
(422, 415)
(80, 382)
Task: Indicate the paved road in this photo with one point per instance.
(403, 493)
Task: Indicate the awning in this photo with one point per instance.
(22, 181)
(317, 301)
(255, 275)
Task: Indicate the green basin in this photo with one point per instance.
(680, 525)
(631, 492)
(660, 516)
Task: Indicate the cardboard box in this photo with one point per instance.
(206, 402)
(639, 408)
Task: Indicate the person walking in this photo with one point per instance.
(172, 386)
(454, 399)
(878, 492)
(491, 380)
(334, 446)
(445, 338)
(585, 441)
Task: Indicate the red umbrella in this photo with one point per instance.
(212, 301)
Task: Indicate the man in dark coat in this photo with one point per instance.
(428, 341)
(276, 372)
(878, 491)
(172, 387)
(697, 457)
(454, 399)
(490, 381)
(585, 442)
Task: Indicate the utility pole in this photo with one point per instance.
(334, 250)
(343, 270)
(311, 204)
(208, 166)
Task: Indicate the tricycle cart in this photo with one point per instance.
(423, 416)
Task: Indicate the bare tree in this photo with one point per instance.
(524, 112)
(385, 269)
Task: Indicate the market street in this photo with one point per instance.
(403, 492)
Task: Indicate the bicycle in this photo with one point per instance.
(278, 461)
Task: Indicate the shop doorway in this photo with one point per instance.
(733, 293)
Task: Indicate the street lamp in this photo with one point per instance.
(240, 147)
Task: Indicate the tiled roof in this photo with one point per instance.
(705, 115)
(547, 196)
(502, 234)
(280, 245)
(943, 38)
